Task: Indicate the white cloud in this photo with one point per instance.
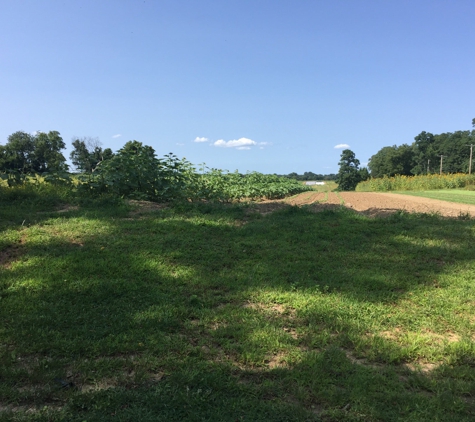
(235, 143)
(243, 148)
(198, 139)
(341, 146)
(117, 136)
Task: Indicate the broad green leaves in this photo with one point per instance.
(135, 172)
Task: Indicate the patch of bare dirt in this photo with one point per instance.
(375, 204)
(12, 253)
(361, 361)
(9, 255)
(423, 367)
(276, 361)
(144, 207)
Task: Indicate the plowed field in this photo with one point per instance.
(379, 204)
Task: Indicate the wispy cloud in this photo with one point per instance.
(117, 135)
(341, 146)
(236, 143)
(198, 139)
(243, 148)
(180, 144)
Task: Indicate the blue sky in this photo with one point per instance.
(272, 86)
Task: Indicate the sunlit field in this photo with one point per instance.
(138, 311)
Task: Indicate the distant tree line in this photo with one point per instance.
(308, 175)
(425, 155)
(33, 153)
(41, 152)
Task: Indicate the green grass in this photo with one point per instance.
(451, 195)
(217, 313)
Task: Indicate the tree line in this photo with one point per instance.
(308, 175)
(41, 152)
(448, 152)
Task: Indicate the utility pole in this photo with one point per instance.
(470, 162)
(428, 169)
(441, 159)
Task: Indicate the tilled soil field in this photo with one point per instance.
(381, 204)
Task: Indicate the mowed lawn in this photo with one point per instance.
(450, 195)
(118, 312)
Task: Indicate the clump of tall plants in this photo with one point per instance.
(222, 186)
(135, 172)
(421, 182)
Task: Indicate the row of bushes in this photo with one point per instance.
(135, 172)
(421, 182)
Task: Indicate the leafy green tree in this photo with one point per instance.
(47, 153)
(87, 154)
(18, 152)
(454, 147)
(364, 174)
(426, 154)
(28, 153)
(390, 161)
(349, 174)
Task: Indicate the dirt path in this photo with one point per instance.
(380, 204)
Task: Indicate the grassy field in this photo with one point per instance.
(451, 195)
(126, 312)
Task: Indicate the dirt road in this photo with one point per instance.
(380, 204)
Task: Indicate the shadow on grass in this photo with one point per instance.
(212, 313)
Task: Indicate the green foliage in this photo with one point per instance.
(87, 154)
(309, 175)
(134, 172)
(222, 186)
(390, 161)
(349, 174)
(416, 183)
(423, 156)
(26, 153)
(364, 174)
(47, 155)
(13, 177)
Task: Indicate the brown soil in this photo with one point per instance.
(376, 204)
